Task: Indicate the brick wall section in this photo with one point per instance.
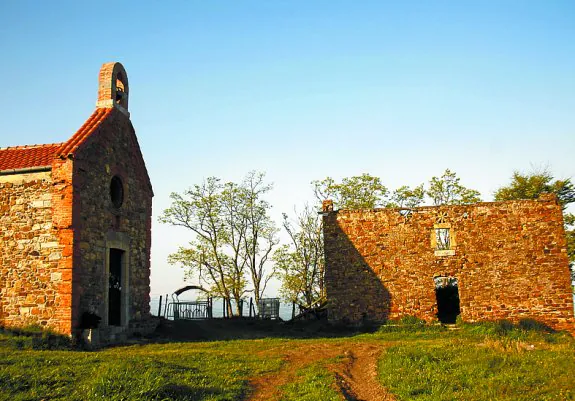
(33, 287)
(63, 221)
(112, 150)
(107, 85)
(510, 261)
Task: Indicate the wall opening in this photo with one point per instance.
(116, 191)
(115, 287)
(447, 295)
(121, 95)
(442, 239)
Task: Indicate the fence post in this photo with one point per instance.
(251, 306)
(160, 306)
(166, 307)
(293, 309)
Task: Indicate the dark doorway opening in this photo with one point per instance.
(447, 295)
(115, 288)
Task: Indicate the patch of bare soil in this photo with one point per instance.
(355, 370)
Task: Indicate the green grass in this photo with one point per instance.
(497, 361)
(200, 371)
(312, 383)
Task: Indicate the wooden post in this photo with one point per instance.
(160, 306)
(251, 306)
(293, 309)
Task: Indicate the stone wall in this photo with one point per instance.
(509, 259)
(112, 151)
(32, 283)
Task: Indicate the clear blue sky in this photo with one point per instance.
(302, 90)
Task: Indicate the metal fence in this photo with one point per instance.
(190, 310)
(174, 309)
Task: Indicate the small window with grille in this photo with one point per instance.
(442, 240)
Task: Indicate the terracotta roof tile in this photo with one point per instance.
(91, 124)
(19, 157)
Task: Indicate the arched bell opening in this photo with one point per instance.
(114, 90)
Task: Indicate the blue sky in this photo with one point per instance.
(302, 90)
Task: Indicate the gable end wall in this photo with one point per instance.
(111, 150)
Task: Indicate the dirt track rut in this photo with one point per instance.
(355, 371)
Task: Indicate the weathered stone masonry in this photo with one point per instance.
(74, 214)
(34, 287)
(509, 259)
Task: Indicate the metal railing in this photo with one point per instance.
(176, 309)
(189, 310)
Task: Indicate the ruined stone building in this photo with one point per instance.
(485, 261)
(75, 223)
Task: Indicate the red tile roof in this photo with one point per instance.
(19, 157)
(91, 124)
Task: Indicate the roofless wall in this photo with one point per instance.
(507, 259)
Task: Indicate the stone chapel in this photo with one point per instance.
(75, 223)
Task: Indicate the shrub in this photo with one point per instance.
(409, 324)
(534, 325)
(410, 320)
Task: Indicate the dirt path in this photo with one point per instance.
(355, 372)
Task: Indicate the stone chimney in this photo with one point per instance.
(113, 88)
(327, 206)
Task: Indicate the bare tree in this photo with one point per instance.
(233, 235)
(261, 233)
(301, 263)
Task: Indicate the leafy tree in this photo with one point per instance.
(301, 263)
(447, 190)
(531, 185)
(357, 192)
(405, 197)
(233, 235)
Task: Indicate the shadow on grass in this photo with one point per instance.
(505, 328)
(244, 329)
(34, 337)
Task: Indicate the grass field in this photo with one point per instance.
(417, 362)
